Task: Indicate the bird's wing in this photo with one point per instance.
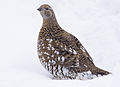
(73, 50)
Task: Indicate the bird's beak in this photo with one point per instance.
(39, 9)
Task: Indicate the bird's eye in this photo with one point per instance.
(46, 8)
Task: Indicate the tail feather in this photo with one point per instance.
(97, 71)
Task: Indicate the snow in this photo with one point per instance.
(96, 23)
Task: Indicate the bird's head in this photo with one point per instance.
(46, 11)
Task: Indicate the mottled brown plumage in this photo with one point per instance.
(61, 53)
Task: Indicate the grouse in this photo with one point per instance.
(61, 53)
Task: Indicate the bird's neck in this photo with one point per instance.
(49, 22)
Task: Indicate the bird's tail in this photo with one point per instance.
(97, 71)
(92, 73)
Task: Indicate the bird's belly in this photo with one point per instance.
(51, 60)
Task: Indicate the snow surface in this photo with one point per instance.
(96, 23)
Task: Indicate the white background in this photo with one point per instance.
(96, 23)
